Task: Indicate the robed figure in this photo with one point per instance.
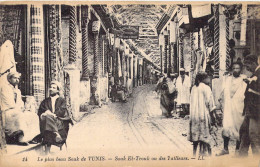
(54, 118)
(201, 107)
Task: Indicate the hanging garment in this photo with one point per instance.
(183, 89)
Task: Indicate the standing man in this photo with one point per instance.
(232, 100)
(202, 108)
(54, 118)
(183, 85)
(250, 131)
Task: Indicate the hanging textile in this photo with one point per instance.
(11, 24)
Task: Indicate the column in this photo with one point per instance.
(192, 75)
(181, 36)
(123, 67)
(161, 56)
(85, 21)
(95, 97)
(243, 25)
(52, 14)
(72, 35)
(71, 71)
(169, 55)
(223, 43)
(165, 53)
(96, 30)
(101, 54)
(106, 50)
(221, 50)
(216, 42)
(54, 43)
(37, 52)
(228, 58)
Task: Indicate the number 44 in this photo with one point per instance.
(24, 158)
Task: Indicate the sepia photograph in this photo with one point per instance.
(129, 83)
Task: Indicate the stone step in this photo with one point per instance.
(16, 149)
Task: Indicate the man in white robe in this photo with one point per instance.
(11, 106)
(183, 85)
(202, 106)
(232, 101)
(20, 126)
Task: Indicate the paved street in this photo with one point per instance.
(135, 124)
(121, 130)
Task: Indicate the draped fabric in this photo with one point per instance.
(7, 61)
(11, 17)
(183, 89)
(37, 53)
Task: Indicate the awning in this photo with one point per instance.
(198, 11)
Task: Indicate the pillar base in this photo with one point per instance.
(95, 97)
(72, 86)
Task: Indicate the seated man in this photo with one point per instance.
(121, 93)
(12, 107)
(168, 94)
(54, 118)
(121, 90)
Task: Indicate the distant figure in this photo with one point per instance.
(183, 85)
(232, 99)
(168, 94)
(121, 90)
(201, 107)
(158, 85)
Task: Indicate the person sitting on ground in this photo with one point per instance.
(54, 118)
(168, 94)
(121, 91)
